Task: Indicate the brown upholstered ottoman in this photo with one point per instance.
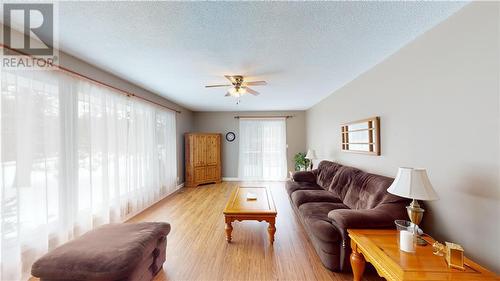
(128, 251)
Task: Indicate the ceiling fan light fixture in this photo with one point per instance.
(233, 91)
(239, 87)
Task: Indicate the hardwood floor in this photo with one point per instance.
(197, 248)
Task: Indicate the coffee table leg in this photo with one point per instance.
(229, 229)
(271, 230)
(358, 265)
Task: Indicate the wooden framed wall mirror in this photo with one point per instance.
(362, 136)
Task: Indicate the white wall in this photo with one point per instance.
(223, 122)
(438, 102)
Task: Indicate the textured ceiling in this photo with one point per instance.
(304, 50)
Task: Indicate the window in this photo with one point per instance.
(74, 155)
(262, 154)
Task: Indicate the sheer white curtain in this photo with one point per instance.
(74, 155)
(262, 154)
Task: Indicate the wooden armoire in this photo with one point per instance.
(203, 158)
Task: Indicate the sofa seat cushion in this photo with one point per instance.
(292, 186)
(316, 220)
(300, 197)
(110, 252)
(320, 209)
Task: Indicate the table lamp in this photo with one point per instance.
(311, 154)
(413, 184)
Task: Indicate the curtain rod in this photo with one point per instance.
(64, 69)
(264, 117)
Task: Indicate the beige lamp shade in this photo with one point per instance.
(414, 184)
(311, 154)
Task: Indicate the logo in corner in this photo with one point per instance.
(28, 35)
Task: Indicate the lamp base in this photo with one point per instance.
(416, 214)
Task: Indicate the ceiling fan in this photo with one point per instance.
(239, 86)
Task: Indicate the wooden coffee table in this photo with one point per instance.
(239, 208)
(380, 248)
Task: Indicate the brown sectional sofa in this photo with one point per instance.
(333, 198)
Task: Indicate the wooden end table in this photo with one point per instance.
(380, 248)
(239, 208)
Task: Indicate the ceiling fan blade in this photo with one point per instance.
(228, 94)
(250, 91)
(255, 83)
(220, 85)
(230, 78)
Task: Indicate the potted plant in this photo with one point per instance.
(301, 163)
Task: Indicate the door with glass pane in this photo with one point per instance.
(262, 154)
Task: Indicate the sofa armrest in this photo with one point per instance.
(382, 216)
(304, 176)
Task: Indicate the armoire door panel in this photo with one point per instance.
(211, 172)
(212, 150)
(199, 150)
(200, 174)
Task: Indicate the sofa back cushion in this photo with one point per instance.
(367, 191)
(343, 180)
(325, 173)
